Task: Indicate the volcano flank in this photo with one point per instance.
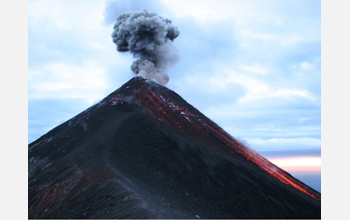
(144, 152)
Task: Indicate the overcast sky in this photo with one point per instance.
(253, 67)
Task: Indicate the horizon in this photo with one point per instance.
(259, 79)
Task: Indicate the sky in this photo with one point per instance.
(253, 67)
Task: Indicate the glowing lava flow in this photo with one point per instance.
(234, 146)
(189, 120)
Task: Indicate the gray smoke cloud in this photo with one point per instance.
(149, 38)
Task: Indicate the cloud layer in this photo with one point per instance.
(254, 67)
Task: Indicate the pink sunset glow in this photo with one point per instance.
(299, 165)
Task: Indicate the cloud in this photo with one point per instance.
(255, 69)
(60, 80)
(213, 93)
(256, 89)
(299, 163)
(281, 153)
(69, 33)
(271, 123)
(70, 54)
(46, 113)
(204, 11)
(287, 146)
(258, 61)
(272, 143)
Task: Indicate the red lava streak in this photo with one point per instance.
(181, 116)
(52, 191)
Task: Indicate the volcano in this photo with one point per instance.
(144, 152)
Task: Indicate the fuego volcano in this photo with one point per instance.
(144, 152)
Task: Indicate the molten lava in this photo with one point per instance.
(144, 152)
(175, 112)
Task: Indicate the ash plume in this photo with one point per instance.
(149, 38)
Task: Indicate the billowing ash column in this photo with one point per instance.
(149, 38)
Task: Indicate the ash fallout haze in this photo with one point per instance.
(253, 67)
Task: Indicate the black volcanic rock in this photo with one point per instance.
(144, 152)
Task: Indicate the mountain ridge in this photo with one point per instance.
(132, 126)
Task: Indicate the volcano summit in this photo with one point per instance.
(144, 152)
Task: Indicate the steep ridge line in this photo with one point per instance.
(149, 94)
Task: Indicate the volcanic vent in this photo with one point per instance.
(144, 152)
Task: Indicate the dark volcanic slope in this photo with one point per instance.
(144, 152)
